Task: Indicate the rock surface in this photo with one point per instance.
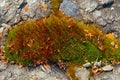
(107, 68)
(2, 66)
(106, 13)
(14, 11)
(82, 73)
(87, 65)
(113, 75)
(13, 72)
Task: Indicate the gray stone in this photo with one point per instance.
(107, 68)
(2, 3)
(113, 75)
(98, 63)
(68, 7)
(2, 77)
(87, 65)
(116, 3)
(88, 5)
(82, 73)
(101, 21)
(13, 72)
(1, 29)
(2, 66)
(113, 28)
(97, 14)
(5, 75)
(13, 11)
(5, 25)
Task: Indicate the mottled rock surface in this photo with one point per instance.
(13, 72)
(82, 73)
(113, 75)
(14, 11)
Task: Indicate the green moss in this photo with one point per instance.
(55, 4)
(59, 37)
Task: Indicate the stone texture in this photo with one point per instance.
(87, 65)
(107, 68)
(88, 5)
(2, 66)
(82, 73)
(68, 7)
(14, 11)
(98, 63)
(13, 72)
(113, 75)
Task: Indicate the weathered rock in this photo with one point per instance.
(2, 66)
(98, 63)
(14, 11)
(87, 65)
(82, 73)
(5, 75)
(68, 7)
(107, 68)
(88, 5)
(5, 25)
(113, 75)
(13, 72)
(1, 29)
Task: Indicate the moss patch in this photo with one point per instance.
(59, 37)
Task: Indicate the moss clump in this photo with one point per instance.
(55, 4)
(58, 38)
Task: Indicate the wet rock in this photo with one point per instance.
(68, 7)
(87, 65)
(107, 68)
(82, 73)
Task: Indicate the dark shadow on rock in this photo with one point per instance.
(22, 5)
(108, 5)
